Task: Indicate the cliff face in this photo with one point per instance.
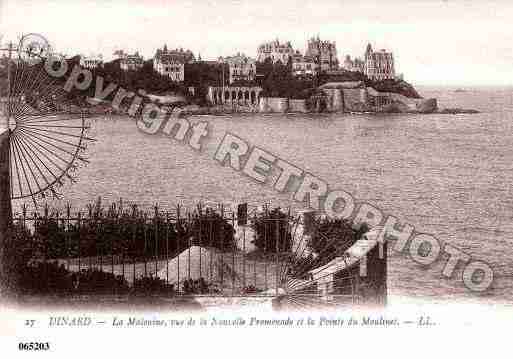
(428, 106)
(358, 97)
(351, 97)
(399, 103)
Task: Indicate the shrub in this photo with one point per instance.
(18, 251)
(128, 231)
(197, 286)
(97, 281)
(273, 231)
(331, 238)
(209, 229)
(51, 278)
(117, 230)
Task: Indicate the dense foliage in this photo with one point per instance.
(209, 229)
(123, 232)
(330, 238)
(273, 231)
(197, 286)
(16, 253)
(277, 80)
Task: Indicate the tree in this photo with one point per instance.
(277, 80)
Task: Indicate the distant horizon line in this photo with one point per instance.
(460, 85)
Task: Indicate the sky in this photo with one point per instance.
(435, 42)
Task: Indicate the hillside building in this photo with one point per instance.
(275, 51)
(324, 54)
(129, 61)
(354, 65)
(379, 65)
(171, 63)
(303, 65)
(241, 68)
(91, 62)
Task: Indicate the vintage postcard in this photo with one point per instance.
(248, 178)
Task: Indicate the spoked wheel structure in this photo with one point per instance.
(48, 132)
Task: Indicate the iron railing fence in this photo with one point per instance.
(204, 252)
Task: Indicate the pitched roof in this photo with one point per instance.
(177, 55)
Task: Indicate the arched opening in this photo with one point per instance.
(246, 96)
(253, 97)
(234, 96)
(226, 96)
(240, 96)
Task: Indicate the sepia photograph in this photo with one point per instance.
(227, 167)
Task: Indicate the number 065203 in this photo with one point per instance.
(34, 346)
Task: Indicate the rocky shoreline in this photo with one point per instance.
(457, 111)
(216, 111)
(220, 111)
(335, 97)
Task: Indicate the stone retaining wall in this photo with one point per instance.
(274, 104)
(297, 106)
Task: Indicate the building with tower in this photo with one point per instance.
(324, 54)
(241, 68)
(129, 61)
(171, 63)
(378, 65)
(275, 51)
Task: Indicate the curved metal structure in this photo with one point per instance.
(47, 130)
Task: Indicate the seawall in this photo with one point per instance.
(350, 97)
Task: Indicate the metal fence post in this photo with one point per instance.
(233, 271)
(222, 249)
(145, 224)
(277, 230)
(156, 235)
(167, 248)
(68, 241)
(79, 242)
(134, 245)
(242, 221)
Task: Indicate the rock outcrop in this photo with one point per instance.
(456, 111)
(427, 106)
(399, 87)
(357, 97)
